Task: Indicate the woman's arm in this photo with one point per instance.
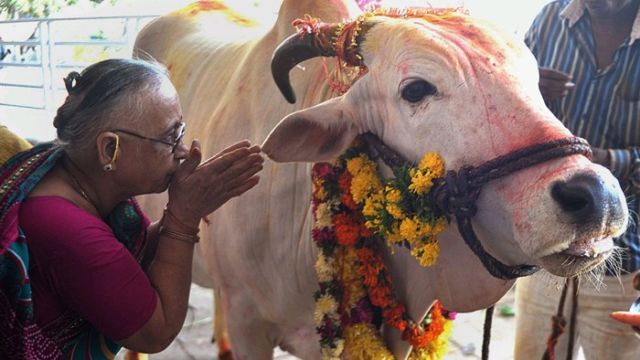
(196, 191)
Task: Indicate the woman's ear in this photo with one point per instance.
(108, 144)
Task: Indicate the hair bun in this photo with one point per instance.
(71, 81)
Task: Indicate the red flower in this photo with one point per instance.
(393, 316)
(344, 184)
(347, 230)
(380, 296)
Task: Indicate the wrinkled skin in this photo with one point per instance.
(257, 251)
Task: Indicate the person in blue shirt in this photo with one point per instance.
(588, 52)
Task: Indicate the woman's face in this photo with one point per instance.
(147, 166)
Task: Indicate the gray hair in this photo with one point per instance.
(100, 96)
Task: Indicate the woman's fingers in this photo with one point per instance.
(244, 175)
(192, 161)
(243, 187)
(228, 167)
(206, 187)
(241, 167)
(240, 145)
(225, 161)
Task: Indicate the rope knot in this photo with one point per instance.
(455, 195)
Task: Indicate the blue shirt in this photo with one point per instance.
(604, 106)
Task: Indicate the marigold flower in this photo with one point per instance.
(426, 254)
(364, 342)
(347, 230)
(392, 194)
(420, 182)
(434, 163)
(409, 229)
(323, 215)
(395, 211)
(354, 165)
(325, 305)
(324, 268)
(380, 296)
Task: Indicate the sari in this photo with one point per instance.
(68, 336)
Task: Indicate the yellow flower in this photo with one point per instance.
(393, 234)
(426, 254)
(393, 195)
(324, 268)
(425, 228)
(437, 349)
(351, 275)
(363, 341)
(333, 353)
(420, 182)
(370, 207)
(321, 193)
(434, 163)
(360, 188)
(409, 229)
(395, 211)
(325, 305)
(364, 179)
(354, 165)
(441, 225)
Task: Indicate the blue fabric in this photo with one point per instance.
(604, 106)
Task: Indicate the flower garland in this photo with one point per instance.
(352, 210)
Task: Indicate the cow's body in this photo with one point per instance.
(257, 251)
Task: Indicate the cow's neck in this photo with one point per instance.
(458, 280)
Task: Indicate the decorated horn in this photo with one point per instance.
(314, 39)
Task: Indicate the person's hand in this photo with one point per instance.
(554, 84)
(601, 156)
(631, 317)
(627, 317)
(197, 190)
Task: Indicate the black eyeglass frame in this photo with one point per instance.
(180, 131)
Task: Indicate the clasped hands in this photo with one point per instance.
(197, 189)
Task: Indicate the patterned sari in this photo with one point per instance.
(68, 336)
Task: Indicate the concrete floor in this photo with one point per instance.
(465, 343)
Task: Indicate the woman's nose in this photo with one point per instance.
(182, 151)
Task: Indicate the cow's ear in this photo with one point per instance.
(320, 133)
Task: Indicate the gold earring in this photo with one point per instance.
(112, 164)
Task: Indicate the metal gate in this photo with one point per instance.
(31, 72)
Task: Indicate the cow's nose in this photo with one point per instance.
(583, 197)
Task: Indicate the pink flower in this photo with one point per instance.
(323, 170)
(323, 237)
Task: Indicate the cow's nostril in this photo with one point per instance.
(570, 200)
(581, 197)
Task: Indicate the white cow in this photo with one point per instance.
(452, 85)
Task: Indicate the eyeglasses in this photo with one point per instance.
(176, 137)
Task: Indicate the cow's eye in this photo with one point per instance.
(417, 90)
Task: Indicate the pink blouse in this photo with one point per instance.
(78, 264)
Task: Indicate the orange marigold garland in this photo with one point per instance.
(355, 285)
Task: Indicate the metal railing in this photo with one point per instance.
(56, 47)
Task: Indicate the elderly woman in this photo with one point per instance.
(82, 270)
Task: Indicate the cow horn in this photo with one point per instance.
(297, 48)
(317, 39)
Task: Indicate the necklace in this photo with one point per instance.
(78, 187)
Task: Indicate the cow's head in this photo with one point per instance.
(442, 81)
